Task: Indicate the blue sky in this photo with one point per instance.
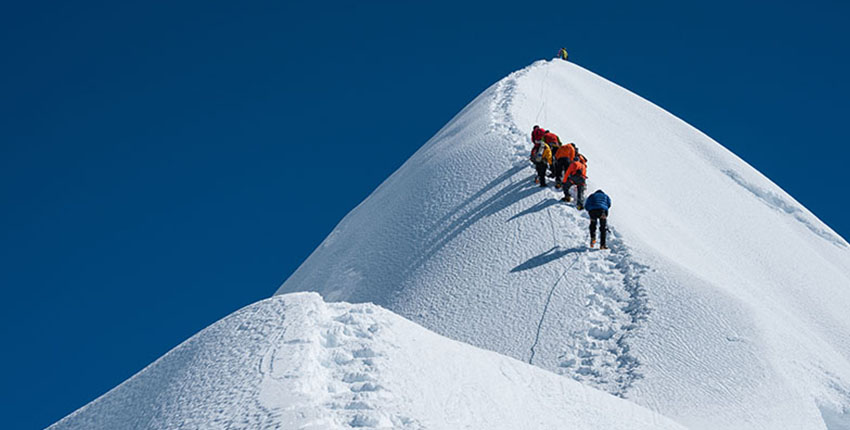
(156, 168)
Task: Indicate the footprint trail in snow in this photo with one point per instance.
(598, 352)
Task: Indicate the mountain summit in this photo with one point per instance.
(722, 302)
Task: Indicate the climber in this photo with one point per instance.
(551, 138)
(541, 156)
(537, 134)
(576, 175)
(563, 157)
(562, 54)
(554, 143)
(597, 206)
(537, 140)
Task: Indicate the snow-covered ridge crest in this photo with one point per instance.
(722, 302)
(293, 361)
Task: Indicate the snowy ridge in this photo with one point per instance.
(722, 302)
(780, 203)
(288, 361)
(293, 361)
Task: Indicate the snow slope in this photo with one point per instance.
(295, 362)
(723, 302)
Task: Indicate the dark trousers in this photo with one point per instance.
(561, 166)
(579, 183)
(541, 171)
(602, 216)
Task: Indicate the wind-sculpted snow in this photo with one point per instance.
(712, 306)
(295, 362)
(776, 201)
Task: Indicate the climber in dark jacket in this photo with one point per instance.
(597, 205)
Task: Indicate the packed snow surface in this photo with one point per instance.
(295, 362)
(723, 303)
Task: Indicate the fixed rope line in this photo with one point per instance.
(546, 308)
(542, 93)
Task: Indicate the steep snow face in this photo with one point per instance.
(722, 302)
(295, 362)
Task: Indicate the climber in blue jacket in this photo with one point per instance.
(597, 205)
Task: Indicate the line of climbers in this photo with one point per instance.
(569, 167)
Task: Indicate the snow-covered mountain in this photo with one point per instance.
(295, 362)
(723, 302)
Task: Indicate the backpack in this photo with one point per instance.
(538, 154)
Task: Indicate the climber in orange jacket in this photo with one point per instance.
(563, 157)
(576, 175)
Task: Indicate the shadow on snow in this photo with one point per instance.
(536, 208)
(548, 256)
